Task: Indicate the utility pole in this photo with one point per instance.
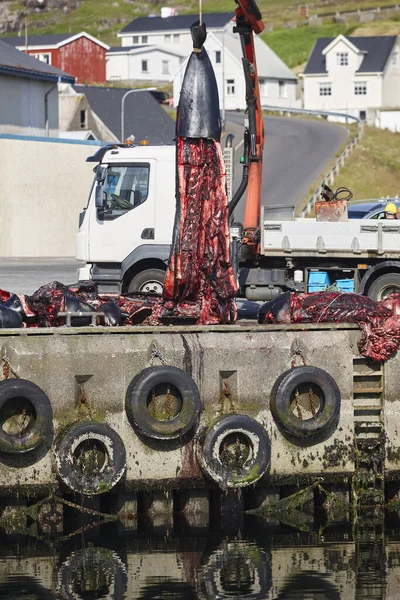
(69, 16)
(27, 4)
(26, 26)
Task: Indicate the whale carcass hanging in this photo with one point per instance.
(199, 283)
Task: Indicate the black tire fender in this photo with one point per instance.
(138, 402)
(98, 480)
(25, 398)
(244, 432)
(282, 395)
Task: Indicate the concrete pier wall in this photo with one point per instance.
(86, 372)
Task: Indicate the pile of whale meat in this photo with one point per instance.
(42, 308)
(378, 321)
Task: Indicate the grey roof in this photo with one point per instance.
(377, 50)
(144, 117)
(15, 62)
(47, 39)
(143, 24)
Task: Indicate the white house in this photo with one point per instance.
(170, 31)
(146, 63)
(278, 83)
(152, 48)
(354, 75)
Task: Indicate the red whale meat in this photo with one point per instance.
(378, 321)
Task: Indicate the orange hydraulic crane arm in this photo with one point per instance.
(248, 22)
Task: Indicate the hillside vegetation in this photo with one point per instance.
(374, 168)
(105, 18)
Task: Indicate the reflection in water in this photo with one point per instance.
(92, 573)
(262, 562)
(236, 569)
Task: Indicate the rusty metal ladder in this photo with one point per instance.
(369, 440)
(368, 485)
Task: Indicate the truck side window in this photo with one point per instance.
(125, 186)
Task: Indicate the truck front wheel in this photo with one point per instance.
(150, 281)
(384, 286)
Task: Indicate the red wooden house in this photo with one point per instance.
(78, 54)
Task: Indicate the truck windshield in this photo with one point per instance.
(125, 186)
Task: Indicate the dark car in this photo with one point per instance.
(161, 97)
(370, 209)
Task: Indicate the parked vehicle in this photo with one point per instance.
(125, 231)
(160, 96)
(370, 209)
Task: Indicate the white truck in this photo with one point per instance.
(125, 236)
(125, 231)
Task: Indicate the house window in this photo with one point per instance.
(325, 89)
(342, 59)
(167, 38)
(176, 38)
(165, 67)
(263, 88)
(282, 89)
(363, 115)
(144, 39)
(135, 39)
(218, 56)
(46, 58)
(82, 118)
(360, 88)
(230, 87)
(395, 59)
(145, 66)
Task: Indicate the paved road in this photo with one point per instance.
(296, 153)
(24, 276)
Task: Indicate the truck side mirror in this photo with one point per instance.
(101, 173)
(98, 196)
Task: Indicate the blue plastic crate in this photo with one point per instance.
(318, 281)
(345, 285)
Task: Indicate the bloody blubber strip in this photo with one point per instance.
(200, 282)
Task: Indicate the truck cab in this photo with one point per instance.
(125, 231)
